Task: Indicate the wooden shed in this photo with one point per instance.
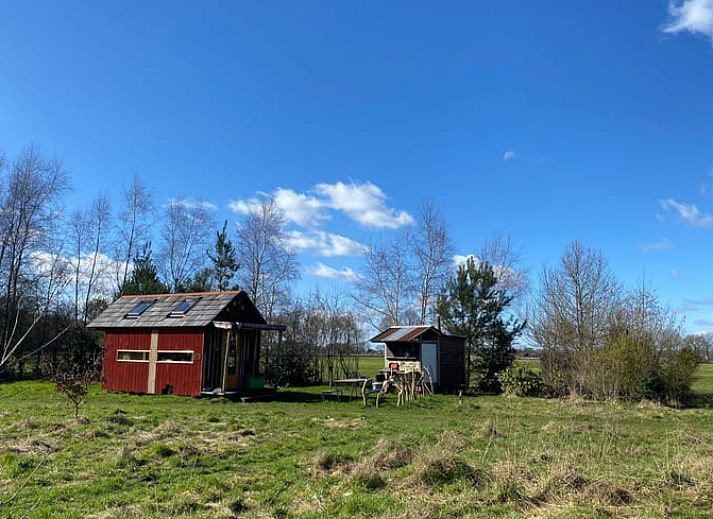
(183, 344)
(411, 348)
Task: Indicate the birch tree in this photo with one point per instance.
(32, 187)
(185, 235)
(268, 264)
(133, 227)
(433, 252)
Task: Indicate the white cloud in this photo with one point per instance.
(364, 203)
(325, 244)
(704, 322)
(105, 269)
(664, 244)
(689, 213)
(298, 208)
(460, 259)
(509, 155)
(193, 204)
(694, 16)
(675, 273)
(325, 271)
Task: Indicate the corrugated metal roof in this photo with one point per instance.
(403, 333)
(207, 308)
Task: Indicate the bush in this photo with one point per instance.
(671, 383)
(521, 380)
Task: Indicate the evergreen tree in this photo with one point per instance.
(144, 278)
(201, 282)
(472, 305)
(224, 262)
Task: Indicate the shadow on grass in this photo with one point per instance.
(701, 400)
(296, 396)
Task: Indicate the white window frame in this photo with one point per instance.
(147, 352)
(193, 353)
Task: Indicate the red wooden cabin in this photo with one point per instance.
(183, 344)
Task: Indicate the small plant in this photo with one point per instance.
(521, 380)
(72, 380)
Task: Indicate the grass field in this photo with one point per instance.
(158, 456)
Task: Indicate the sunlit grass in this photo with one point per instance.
(161, 456)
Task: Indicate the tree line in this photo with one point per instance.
(59, 268)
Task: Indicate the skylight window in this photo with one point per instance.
(183, 307)
(140, 308)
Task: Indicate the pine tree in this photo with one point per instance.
(224, 262)
(144, 278)
(472, 305)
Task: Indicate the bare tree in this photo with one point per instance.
(32, 188)
(132, 227)
(99, 224)
(572, 312)
(79, 236)
(387, 288)
(506, 259)
(433, 251)
(268, 264)
(185, 236)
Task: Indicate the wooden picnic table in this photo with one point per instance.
(357, 385)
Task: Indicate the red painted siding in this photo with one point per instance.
(184, 379)
(131, 377)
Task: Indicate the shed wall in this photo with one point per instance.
(184, 379)
(452, 361)
(131, 377)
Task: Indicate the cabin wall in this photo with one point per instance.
(184, 379)
(130, 377)
(133, 377)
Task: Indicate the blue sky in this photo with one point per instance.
(548, 120)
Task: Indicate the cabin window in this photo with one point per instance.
(140, 308)
(183, 307)
(402, 351)
(132, 355)
(185, 357)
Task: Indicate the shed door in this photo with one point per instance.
(429, 359)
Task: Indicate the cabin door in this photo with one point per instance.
(429, 359)
(231, 359)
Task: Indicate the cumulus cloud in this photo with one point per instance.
(689, 213)
(324, 271)
(325, 243)
(509, 155)
(695, 16)
(664, 244)
(298, 208)
(365, 203)
(189, 203)
(104, 276)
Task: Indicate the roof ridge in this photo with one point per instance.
(184, 294)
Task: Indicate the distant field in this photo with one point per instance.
(166, 457)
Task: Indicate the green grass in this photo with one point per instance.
(161, 457)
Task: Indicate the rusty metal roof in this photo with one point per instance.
(403, 333)
(159, 314)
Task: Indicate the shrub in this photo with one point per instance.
(521, 380)
(671, 383)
